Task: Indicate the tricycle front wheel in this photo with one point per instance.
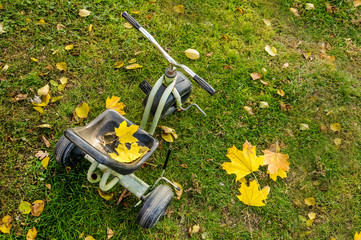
(155, 206)
(66, 153)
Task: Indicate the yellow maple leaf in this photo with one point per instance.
(251, 195)
(113, 103)
(31, 235)
(5, 224)
(82, 110)
(128, 155)
(125, 133)
(242, 162)
(357, 236)
(276, 161)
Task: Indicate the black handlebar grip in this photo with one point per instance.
(204, 84)
(131, 20)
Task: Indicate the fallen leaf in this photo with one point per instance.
(179, 9)
(304, 126)
(337, 141)
(329, 8)
(308, 55)
(110, 233)
(178, 192)
(55, 99)
(128, 155)
(148, 16)
(135, 12)
(44, 100)
(309, 222)
(118, 64)
(64, 80)
(89, 238)
(263, 104)
(44, 90)
(125, 133)
(37, 208)
(34, 59)
(5, 225)
(48, 186)
(53, 83)
(255, 76)
(336, 127)
(209, 54)
(133, 66)
(251, 195)
(133, 60)
(61, 66)
(276, 161)
(106, 196)
(61, 87)
(19, 97)
(41, 22)
(5, 68)
(248, 110)
(192, 53)
(47, 144)
(39, 109)
(357, 3)
(228, 67)
(285, 65)
(225, 37)
(41, 155)
(267, 22)
(84, 13)
(90, 28)
(271, 50)
(295, 12)
(69, 47)
(31, 235)
(312, 215)
(169, 134)
(264, 82)
(242, 162)
(310, 201)
(60, 27)
(184, 165)
(195, 229)
(45, 162)
(357, 236)
(82, 110)
(240, 10)
(55, 52)
(280, 92)
(113, 103)
(127, 25)
(24, 207)
(309, 6)
(2, 28)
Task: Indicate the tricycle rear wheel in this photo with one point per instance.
(155, 206)
(66, 153)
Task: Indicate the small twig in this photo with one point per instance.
(122, 196)
(249, 222)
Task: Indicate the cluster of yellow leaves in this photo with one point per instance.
(44, 97)
(125, 136)
(246, 162)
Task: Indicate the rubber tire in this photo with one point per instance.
(155, 206)
(66, 153)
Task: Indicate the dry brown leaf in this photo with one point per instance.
(178, 192)
(285, 65)
(225, 37)
(37, 208)
(60, 27)
(357, 3)
(263, 104)
(304, 127)
(271, 50)
(41, 155)
(295, 12)
(47, 144)
(255, 76)
(248, 110)
(19, 97)
(110, 233)
(267, 22)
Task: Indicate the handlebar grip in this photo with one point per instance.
(204, 84)
(131, 20)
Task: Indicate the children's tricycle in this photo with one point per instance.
(96, 141)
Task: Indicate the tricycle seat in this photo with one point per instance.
(90, 139)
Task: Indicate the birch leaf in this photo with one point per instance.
(271, 50)
(336, 127)
(82, 110)
(69, 47)
(64, 80)
(5, 224)
(45, 162)
(24, 207)
(44, 90)
(84, 13)
(61, 66)
(310, 201)
(192, 53)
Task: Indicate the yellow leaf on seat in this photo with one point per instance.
(125, 133)
(128, 155)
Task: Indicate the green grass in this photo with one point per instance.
(318, 93)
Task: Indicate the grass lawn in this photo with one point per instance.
(317, 67)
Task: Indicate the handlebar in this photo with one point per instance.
(204, 84)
